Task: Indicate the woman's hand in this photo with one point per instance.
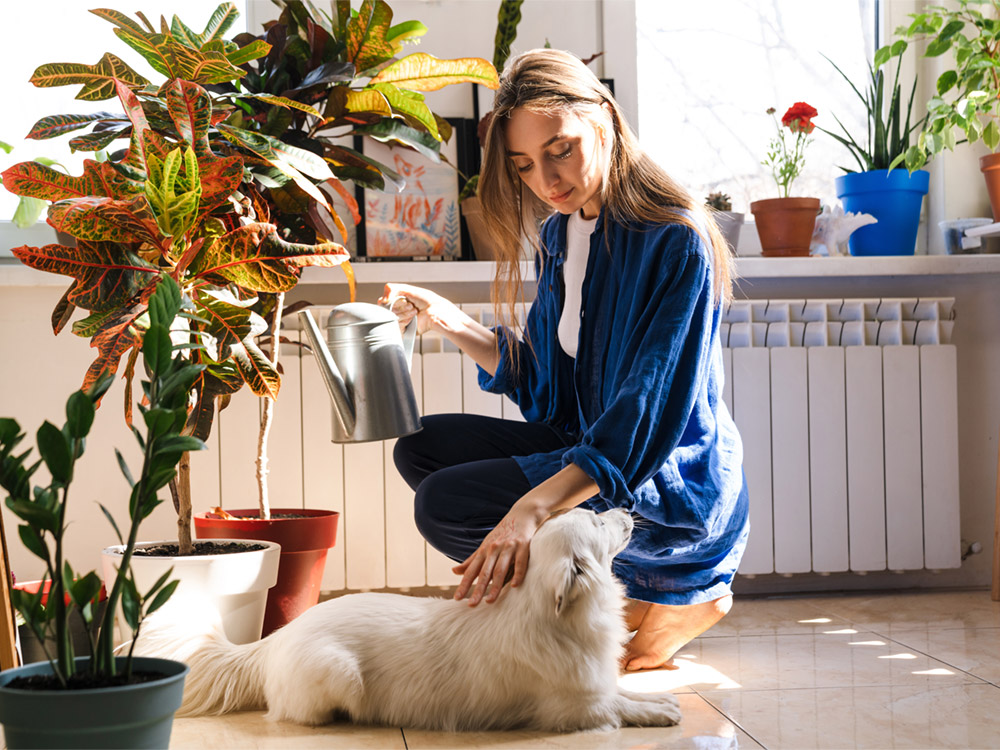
(503, 552)
(432, 311)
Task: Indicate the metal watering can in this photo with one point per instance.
(365, 363)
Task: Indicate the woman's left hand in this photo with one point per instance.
(503, 551)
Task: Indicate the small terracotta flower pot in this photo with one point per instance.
(785, 225)
(305, 537)
(989, 165)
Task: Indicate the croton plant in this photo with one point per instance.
(226, 180)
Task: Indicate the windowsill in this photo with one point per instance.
(13, 273)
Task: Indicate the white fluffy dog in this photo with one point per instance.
(543, 656)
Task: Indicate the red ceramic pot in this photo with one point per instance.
(305, 537)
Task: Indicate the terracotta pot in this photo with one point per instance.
(989, 165)
(785, 225)
(305, 537)
(472, 212)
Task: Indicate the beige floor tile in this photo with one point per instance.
(973, 650)
(774, 616)
(832, 659)
(702, 727)
(887, 613)
(900, 716)
(251, 731)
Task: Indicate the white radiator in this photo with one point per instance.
(849, 417)
(847, 409)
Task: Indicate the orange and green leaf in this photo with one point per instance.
(367, 46)
(34, 180)
(118, 335)
(255, 258)
(98, 80)
(56, 125)
(107, 273)
(423, 72)
(100, 219)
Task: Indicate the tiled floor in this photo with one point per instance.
(915, 670)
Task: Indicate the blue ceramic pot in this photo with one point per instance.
(894, 198)
(132, 716)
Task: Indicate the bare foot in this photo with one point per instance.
(665, 629)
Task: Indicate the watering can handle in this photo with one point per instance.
(409, 333)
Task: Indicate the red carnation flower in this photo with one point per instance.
(799, 118)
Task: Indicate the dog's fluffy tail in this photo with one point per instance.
(224, 677)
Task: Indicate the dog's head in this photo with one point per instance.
(575, 550)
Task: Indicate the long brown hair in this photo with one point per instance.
(635, 188)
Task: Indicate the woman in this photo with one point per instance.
(618, 371)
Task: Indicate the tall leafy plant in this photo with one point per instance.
(968, 91)
(265, 118)
(174, 202)
(887, 141)
(42, 508)
(328, 79)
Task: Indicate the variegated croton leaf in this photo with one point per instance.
(99, 80)
(256, 258)
(175, 51)
(108, 274)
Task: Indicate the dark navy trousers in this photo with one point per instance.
(462, 469)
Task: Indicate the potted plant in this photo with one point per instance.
(279, 132)
(508, 18)
(968, 92)
(173, 201)
(100, 700)
(338, 76)
(730, 222)
(785, 225)
(882, 187)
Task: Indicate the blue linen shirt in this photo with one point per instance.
(643, 398)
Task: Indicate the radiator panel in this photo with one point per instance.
(847, 410)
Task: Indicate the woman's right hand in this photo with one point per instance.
(432, 311)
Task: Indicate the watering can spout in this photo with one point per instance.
(365, 364)
(331, 373)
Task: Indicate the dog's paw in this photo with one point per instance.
(649, 710)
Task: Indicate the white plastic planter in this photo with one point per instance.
(233, 585)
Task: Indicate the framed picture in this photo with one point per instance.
(421, 220)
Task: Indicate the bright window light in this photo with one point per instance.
(707, 73)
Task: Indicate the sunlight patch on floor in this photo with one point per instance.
(688, 672)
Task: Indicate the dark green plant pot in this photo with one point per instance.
(134, 716)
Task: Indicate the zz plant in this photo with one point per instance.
(42, 508)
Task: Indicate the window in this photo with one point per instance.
(65, 31)
(708, 71)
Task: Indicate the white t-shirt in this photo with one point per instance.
(578, 231)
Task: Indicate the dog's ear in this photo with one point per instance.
(565, 588)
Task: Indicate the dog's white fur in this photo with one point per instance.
(544, 656)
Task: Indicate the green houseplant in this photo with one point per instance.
(31, 709)
(882, 187)
(261, 157)
(968, 91)
(173, 201)
(785, 224)
(340, 77)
